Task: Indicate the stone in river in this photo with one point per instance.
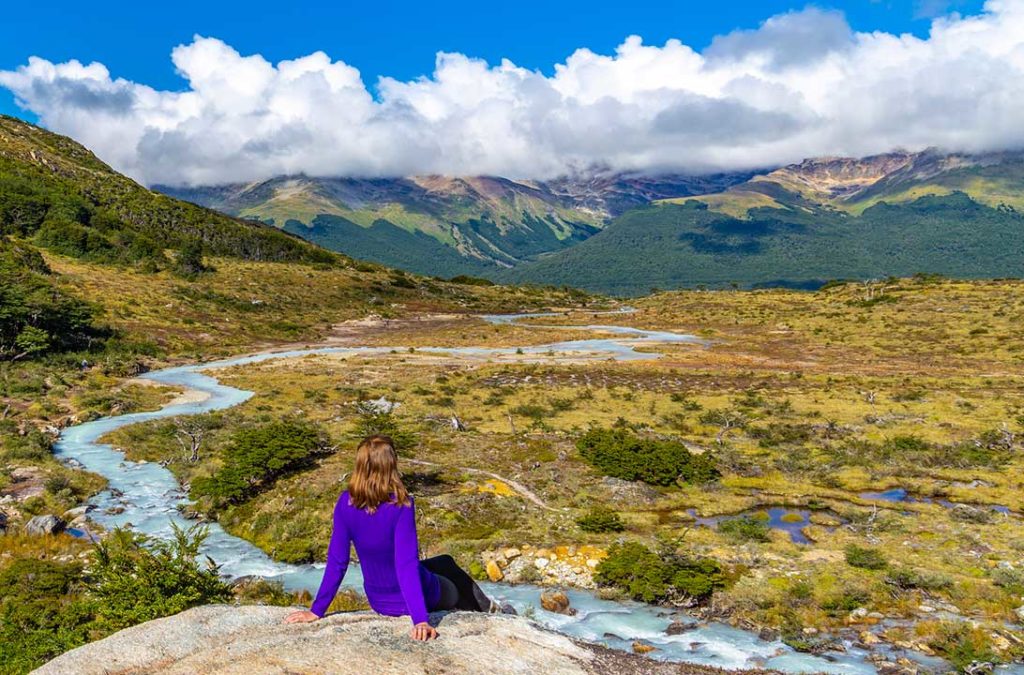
(556, 601)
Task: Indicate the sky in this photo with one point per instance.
(200, 93)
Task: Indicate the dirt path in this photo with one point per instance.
(518, 487)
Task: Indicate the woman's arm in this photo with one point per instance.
(407, 563)
(337, 563)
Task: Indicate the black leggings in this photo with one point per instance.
(458, 590)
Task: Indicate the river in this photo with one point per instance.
(147, 496)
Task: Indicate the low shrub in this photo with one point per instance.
(745, 528)
(622, 454)
(599, 520)
(653, 577)
(256, 457)
(865, 558)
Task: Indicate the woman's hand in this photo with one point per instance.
(423, 632)
(301, 616)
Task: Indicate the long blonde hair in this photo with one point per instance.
(375, 478)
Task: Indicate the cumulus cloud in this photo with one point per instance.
(801, 84)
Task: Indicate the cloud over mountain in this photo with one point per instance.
(801, 84)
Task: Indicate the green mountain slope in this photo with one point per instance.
(894, 214)
(853, 185)
(684, 245)
(58, 192)
(443, 225)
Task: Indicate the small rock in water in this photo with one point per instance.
(679, 627)
(869, 638)
(641, 648)
(768, 634)
(557, 602)
(48, 524)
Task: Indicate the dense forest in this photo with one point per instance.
(687, 245)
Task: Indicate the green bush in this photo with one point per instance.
(599, 520)
(648, 576)
(37, 317)
(43, 612)
(907, 578)
(136, 578)
(745, 528)
(256, 457)
(48, 607)
(621, 454)
(865, 558)
(189, 263)
(962, 644)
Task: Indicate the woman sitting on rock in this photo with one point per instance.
(377, 514)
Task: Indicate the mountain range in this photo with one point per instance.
(447, 226)
(798, 225)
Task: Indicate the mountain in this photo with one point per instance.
(57, 191)
(804, 224)
(853, 185)
(442, 225)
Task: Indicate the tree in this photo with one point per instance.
(190, 432)
(189, 262)
(256, 457)
(726, 419)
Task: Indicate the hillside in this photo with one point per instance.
(446, 225)
(854, 185)
(802, 225)
(54, 189)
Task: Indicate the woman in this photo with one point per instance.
(377, 514)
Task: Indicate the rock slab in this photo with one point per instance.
(252, 639)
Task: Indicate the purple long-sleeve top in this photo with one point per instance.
(393, 578)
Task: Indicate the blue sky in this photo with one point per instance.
(398, 39)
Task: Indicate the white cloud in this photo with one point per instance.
(802, 84)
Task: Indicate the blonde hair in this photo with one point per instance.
(375, 478)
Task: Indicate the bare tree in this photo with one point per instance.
(190, 434)
(726, 420)
(456, 423)
(874, 288)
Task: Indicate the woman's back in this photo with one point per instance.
(385, 540)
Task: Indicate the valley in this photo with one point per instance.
(803, 480)
(865, 497)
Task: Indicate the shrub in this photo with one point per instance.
(865, 558)
(622, 454)
(189, 263)
(907, 579)
(962, 644)
(599, 520)
(255, 458)
(43, 612)
(648, 576)
(745, 528)
(136, 579)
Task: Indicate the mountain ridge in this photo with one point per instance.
(478, 224)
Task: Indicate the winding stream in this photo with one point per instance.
(147, 496)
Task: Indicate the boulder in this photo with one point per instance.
(679, 627)
(48, 524)
(494, 572)
(557, 602)
(253, 639)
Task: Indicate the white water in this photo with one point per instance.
(150, 497)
